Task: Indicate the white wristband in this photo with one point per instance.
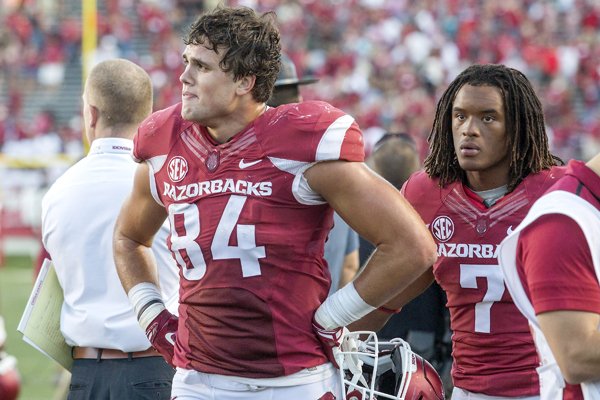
(342, 308)
(147, 302)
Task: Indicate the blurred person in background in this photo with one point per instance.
(551, 265)
(341, 247)
(424, 322)
(113, 359)
(10, 380)
(489, 161)
(250, 191)
(395, 157)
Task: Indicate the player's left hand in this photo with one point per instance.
(162, 333)
(330, 339)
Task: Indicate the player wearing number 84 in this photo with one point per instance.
(250, 191)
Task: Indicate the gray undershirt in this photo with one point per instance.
(490, 197)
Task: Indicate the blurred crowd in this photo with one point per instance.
(383, 61)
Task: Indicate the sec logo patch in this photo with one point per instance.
(442, 228)
(178, 168)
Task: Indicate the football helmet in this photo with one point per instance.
(371, 370)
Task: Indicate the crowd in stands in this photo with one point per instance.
(383, 61)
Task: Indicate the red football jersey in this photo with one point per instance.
(550, 270)
(492, 346)
(248, 234)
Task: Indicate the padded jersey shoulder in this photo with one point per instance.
(420, 186)
(310, 131)
(157, 133)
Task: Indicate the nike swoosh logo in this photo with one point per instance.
(170, 338)
(509, 230)
(244, 165)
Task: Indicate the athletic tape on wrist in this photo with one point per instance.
(342, 308)
(147, 302)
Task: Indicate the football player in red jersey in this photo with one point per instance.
(551, 265)
(249, 191)
(489, 162)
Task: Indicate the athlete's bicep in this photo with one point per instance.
(141, 216)
(368, 203)
(380, 214)
(575, 342)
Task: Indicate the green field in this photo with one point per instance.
(39, 374)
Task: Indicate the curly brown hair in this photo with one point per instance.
(251, 43)
(525, 125)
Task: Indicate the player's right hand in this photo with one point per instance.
(162, 334)
(330, 339)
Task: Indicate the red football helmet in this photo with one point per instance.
(371, 370)
(10, 381)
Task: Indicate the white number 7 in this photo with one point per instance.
(495, 289)
(183, 241)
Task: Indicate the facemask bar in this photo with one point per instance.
(354, 354)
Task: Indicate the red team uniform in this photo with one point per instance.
(249, 287)
(492, 347)
(548, 277)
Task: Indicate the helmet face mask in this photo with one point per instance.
(371, 370)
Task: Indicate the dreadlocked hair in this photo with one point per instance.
(525, 126)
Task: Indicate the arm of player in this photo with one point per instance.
(139, 220)
(574, 339)
(380, 214)
(375, 320)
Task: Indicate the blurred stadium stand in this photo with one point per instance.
(383, 61)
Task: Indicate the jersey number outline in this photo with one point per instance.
(495, 290)
(188, 253)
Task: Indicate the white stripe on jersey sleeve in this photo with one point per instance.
(330, 146)
(302, 192)
(155, 164)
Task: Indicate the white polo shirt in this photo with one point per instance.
(78, 218)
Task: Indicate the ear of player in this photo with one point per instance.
(371, 369)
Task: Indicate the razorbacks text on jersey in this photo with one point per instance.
(248, 233)
(492, 347)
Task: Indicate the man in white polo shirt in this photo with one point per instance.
(113, 359)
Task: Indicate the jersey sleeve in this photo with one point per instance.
(417, 186)
(313, 131)
(155, 133)
(555, 262)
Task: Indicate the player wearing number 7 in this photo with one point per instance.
(489, 162)
(249, 192)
